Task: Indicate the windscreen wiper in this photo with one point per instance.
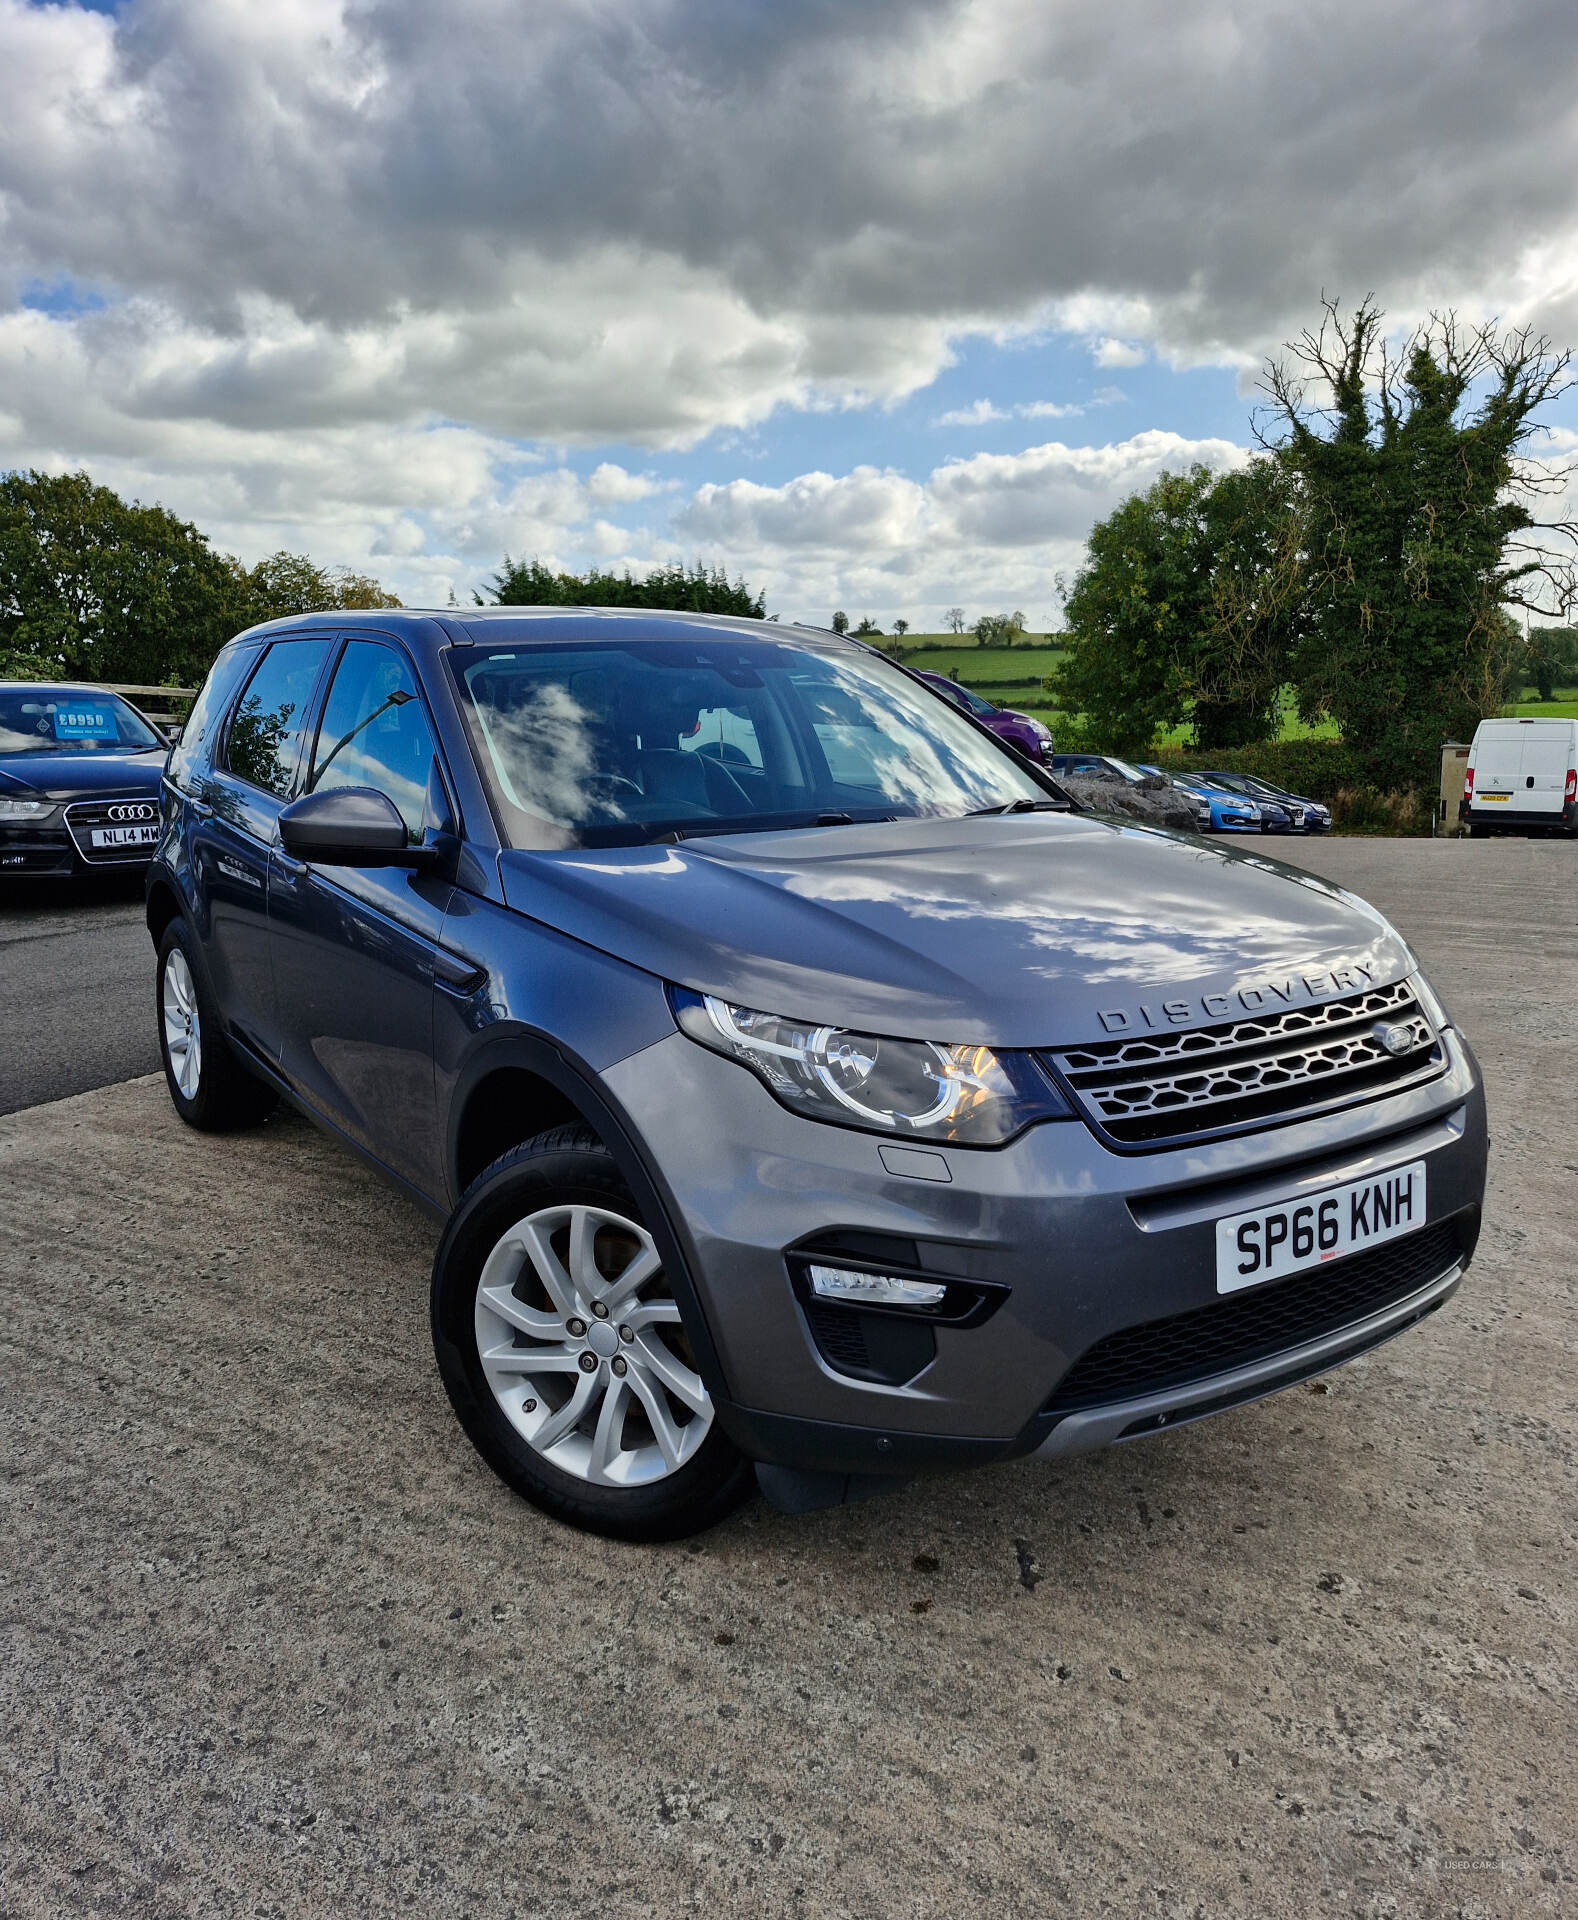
(671, 836)
(1020, 806)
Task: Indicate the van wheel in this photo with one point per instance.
(564, 1350)
(209, 1087)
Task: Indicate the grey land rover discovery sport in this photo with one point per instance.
(809, 1093)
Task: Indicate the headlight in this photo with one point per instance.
(25, 809)
(1042, 731)
(1430, 1000)
(920, 1089)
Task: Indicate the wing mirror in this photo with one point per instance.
(349, 827)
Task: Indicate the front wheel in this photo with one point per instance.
(564, 1350)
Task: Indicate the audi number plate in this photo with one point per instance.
(1291, 1235)
(125, 836)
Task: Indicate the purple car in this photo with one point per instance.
(1029, 736)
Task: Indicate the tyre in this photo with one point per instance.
(211, 1089)
(564, 1351)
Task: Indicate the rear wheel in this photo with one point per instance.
(564, 1350)
(210, 1088)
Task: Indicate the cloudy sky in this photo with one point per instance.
(878, 302)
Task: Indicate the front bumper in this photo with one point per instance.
(1072, 1241)
(61, 844)
(43, 850)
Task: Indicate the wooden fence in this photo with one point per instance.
(164, 706)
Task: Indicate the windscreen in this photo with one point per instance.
(614, 743)
(55, 720)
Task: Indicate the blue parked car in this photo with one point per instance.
(79, 781)
(810, 1094)
(1230, 812)
(1302, 814)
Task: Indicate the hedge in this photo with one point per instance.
(1318, 769)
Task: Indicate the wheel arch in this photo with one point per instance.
(162, 904)
(555, 1090)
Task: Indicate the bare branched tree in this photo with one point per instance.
(1420, 502)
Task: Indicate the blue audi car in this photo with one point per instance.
(79, 781)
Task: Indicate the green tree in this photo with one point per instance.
(1253, 528)
(1551, 659)
(290, 583)
(840, 622)
(868, 627)
(1419, 526)
(105, 589)
(998, 629)
(900, 628)
(697, 589)
(1187, 603)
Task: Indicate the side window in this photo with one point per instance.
(265, 730)
(375, 732)
(212, 698)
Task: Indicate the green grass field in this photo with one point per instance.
(1013, 676)
(1563, 707)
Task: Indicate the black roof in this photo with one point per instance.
(462, 626)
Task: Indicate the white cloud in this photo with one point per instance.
(985, 412)
(356, 262)
(592, 221)
(988, 531)
(978, 414)
(1117, 353)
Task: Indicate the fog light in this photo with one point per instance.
(875, 1289)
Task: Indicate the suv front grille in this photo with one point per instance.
(1255, 1324)
(1167, 1088)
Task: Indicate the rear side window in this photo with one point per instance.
(211, 701)
(375, 732)
(265, 730)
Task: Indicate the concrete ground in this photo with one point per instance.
(273, 1641)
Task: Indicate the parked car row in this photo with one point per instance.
(1225, 802)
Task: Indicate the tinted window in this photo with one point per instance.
(610, 744)
(265, 731)
(374, 732)
(66, 720)
(209, 704)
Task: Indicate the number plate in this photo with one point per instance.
(1490, 799)
(125, 836)
(1294, 1234)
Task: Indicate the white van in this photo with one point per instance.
(1522, 777)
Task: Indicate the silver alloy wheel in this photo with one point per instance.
(183, 1033)
(581, 1342)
